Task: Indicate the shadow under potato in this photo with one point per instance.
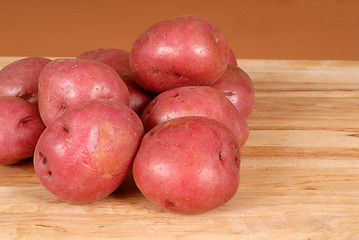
(128, 188)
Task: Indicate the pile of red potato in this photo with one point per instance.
(173, 111)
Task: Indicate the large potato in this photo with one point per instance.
(188, 164)
(20, 78)
(85, 154)
(237, 86)
(119, 60)
(195, 101)
(65, 83)
(179, 51)
(20, 128)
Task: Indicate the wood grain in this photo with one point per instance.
(299, 172)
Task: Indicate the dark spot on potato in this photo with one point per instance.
(220, 158)
(151, 105)
(25, 120)
(27, 95)
(65, 128)
(42, 158)
(176, 94)
(177, 74)
(62, 107)
(220, 155)
(236, 157)
(169, 204)
(151, 134)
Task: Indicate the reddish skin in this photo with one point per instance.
(237, 86)
(115, 58)
(180, 51)
(20, 128)
(85, 154)
(118, 60)
(232, 58)
(188, 165)
(195, 101)
(20, 78)
(139, 98)
(65, 83)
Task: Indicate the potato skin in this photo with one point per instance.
(113, 57)
(237, 86)
(20, 78)
(20, 128)
(85, 154)
(180, 51)
(65, 83)
(119, 60)
(195, 101)
(188, 164)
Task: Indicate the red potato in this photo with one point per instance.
(65, 83)
(119, 61)
(237, 86)
(195, 101)
(85, 154)
(113, 57)
(20, 78)
(20, 128)
(180, 51)
(188, 165)
(139, 98)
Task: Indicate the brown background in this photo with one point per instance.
(277, 29)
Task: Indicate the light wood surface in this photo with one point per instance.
(299, 172)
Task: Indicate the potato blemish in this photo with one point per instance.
(107, 157)
(25, 120)
(169, 204)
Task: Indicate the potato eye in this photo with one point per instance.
(62, 108)
(25, 120)
(169, 204)
(64, 127)
(42, 158)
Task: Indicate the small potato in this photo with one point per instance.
(85, 154)
(119, 61)
(181, 51)
(195, 101)
(65, 83)
(237, 86)
(20, 128)
(188, 164)
(20, 78)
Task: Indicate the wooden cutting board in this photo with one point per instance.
(299, 172)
